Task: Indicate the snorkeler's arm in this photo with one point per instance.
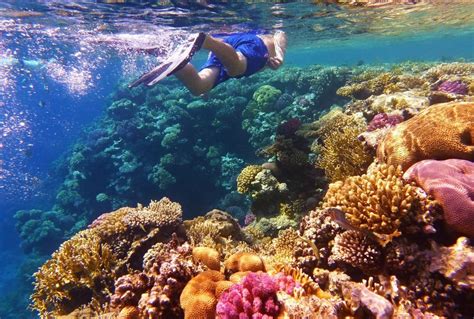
(279, 40)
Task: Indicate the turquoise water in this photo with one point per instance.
(64, 63)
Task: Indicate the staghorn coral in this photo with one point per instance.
(455, 263)
(246, 177)
(378, 201)
(441, 131)
(358, 250)
(451, 183)
(255, 296)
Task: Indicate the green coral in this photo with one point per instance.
(265, 96)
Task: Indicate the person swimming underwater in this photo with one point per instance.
(235, 56)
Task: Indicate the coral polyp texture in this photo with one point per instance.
(378, 201)
(451, 183)
(441, 131)
(246, 177)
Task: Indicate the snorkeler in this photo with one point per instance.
(235, 56)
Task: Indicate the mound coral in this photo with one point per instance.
(198, 298)
(358, 250)
(451, 183)
(439, 132)
(254, 297)
(376, 202)
(208, 256)
(243, 261)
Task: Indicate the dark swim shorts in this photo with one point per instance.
(251, 46)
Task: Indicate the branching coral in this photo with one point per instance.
(255, 296)
(378, 201)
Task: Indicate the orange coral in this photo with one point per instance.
(129, 312)
(208, 256)
(442, 131)
(244, 261)
(198, 298)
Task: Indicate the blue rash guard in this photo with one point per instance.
(251, 46)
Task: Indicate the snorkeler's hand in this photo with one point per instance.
(274, 63)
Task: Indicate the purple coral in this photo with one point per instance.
(289, 128)
(455, 87)
(255, 297)
(249, 218)
(383, 120)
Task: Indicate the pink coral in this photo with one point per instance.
(456, 87)
(451, 183)
(383, 120)
(254, 297)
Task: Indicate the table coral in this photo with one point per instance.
(255, 296)
(451, 183)
(441, 131)
(378, 201)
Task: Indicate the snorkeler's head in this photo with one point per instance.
(280, 44)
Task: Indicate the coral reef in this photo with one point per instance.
(441, 131)
(451, 183)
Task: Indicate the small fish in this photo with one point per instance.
(41, 103)
(338, 216)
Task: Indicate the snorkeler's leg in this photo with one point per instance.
(234, 62)
(197, 83)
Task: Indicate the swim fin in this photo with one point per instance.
(174, 63)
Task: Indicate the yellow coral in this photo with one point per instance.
(81, 263)
(343, 155)
(376, 202)
(292, 209)
(246, 177)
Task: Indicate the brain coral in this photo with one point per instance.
(377, 201)
(441, 131)
(451, 183)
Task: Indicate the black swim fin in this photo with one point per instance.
(174, 63)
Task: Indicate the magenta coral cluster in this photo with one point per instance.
(254, 297)
(383, 120)
(456, 87)
(285, 283)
